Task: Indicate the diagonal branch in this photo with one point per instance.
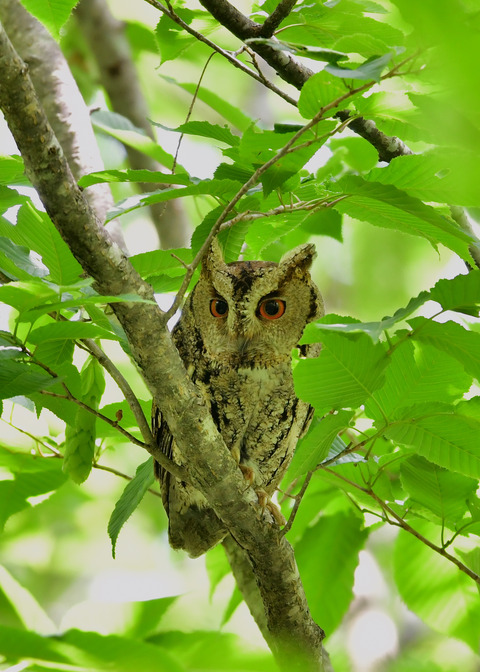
(296, 638)
(278, 15)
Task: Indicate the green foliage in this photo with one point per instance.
(394, 441)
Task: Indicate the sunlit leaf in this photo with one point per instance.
(442, 492)
(130, 499)
(346, 373)
(328, 576)
(433, 588)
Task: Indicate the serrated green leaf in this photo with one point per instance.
(371, 69)
(217, 567)
(85, 650)
(314, 447)
(313, 332)
(315, 53)
(220, 188)
(346, 373)
(205, 129)
(452, 338)
(461, 293)
(26, 295)
(447, 439)
(22, 258)
(389, 207)
(319, 90)
(35, 231)
(124, 131)
(130, 499)
(131, 175)
(328, 576)
(12, 171)
(415, 375)
(25, 605)
(33, 476)
(231, 113)
(17, 378)
(158, 262)
(52, 13)
(433, 588)
(59, 331)
(439, 491)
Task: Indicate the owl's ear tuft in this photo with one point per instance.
(300, 257)
(214, 257)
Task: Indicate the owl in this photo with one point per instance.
(235, 336)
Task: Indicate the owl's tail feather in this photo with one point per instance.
(195, 530)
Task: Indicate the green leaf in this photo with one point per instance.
(75, 649)
(452, 338)
(35, 231)
(320, 90)
(32, 476)
(124, 131)
(59, 331)
(461, 293)
(219, 188)
(313, 332)
(130, 175)
(314, 447)
(447, 439)
(217, 567)
(12, 171)
(346, 373)
(10, 197)
(389, 207)
(130, 499)
(371, 69)
(17, 378)
(417, 374)
(232, 113)
(25, 605)
(327, 575)
(205, 129)
(52, 13)
(171, 40)
(159, 262)
(433, 588)
(26, 295)
(22, 258)
(315, 53)
(437, 490)
(235, 601)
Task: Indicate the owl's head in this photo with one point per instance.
(252, 313)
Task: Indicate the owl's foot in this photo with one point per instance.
(266, 503)
(248, 473)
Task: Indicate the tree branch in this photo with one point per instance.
(296, 639)
(278, 15)
(107, 40)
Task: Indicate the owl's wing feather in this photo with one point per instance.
(164, 440)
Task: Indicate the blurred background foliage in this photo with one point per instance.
(158, 609)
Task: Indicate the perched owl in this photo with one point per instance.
(235, 337)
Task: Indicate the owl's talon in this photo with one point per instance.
(276, 513)
(248, 473)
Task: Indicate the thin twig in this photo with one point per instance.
(223, 52)
(298, 499)
(393, 518)
(124, 386)
(278, 15)
(190, 109)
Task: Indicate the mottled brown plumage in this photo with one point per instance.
(235, 337)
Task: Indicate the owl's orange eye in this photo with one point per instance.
(272, 309)
(218, 307)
